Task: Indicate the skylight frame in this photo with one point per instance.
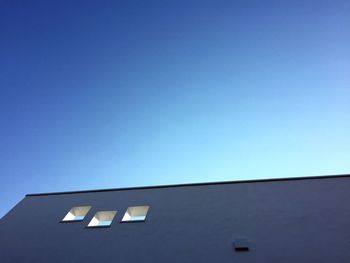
(71, 216)
(95, 222)
(128, 218)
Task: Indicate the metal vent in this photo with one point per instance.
(241, 244)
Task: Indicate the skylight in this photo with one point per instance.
(135, 213)
(76, 214)
(102, 219)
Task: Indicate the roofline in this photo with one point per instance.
(195, 184)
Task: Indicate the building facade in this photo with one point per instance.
(275, 220)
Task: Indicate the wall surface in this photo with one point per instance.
(285, 221)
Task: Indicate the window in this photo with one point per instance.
(76, 214)
(102, 219)
(135, 214)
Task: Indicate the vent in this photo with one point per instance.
(241, 244)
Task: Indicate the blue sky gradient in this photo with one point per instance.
(102, 94)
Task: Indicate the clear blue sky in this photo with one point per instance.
(102, 94)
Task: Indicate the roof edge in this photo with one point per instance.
(194, 184)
